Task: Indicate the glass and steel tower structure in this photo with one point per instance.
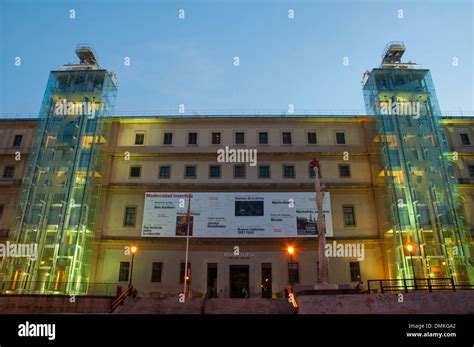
(424, 204)
(61, 185)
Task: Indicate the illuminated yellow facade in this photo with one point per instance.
(140, 147)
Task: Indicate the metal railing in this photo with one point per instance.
(292, 299)
(121, 298)
(60, 288)
(229, 113)
(418, 284)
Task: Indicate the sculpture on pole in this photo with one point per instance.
(321, 224)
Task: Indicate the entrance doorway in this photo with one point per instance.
(212, 279)
(267, 280)
(239, 281)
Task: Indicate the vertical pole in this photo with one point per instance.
(131, 271)
(413, 269)
(186, 262)
(291, 272)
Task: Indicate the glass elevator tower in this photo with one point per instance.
(425, 207)
(61, 185)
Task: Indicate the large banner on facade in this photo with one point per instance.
(234, 215)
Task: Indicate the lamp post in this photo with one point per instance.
(133, 250)
(291, 251)
(410, 248)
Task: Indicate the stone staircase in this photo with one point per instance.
(147, 305)
(248, 306)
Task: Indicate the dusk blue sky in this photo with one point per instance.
(190, 61)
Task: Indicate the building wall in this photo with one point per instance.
(120, 190)
(9, 153)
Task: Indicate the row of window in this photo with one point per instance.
(215, 171)
(293, 272)
(130, 218)
(239, 138)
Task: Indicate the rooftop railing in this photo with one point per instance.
(238, 113)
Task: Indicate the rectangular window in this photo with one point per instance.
(190, 171)
(139, 138)
(168, 139)
(355, 271)
(135, 171)
(349, 216)
(181, 273)
(311, 172)
(471, 170)
(192, 138)
(214, 171)
(239, 171)
(264, 171)
(239, 138)
(9, 172)
(156, 270)
(130, 216)
(340, 138)
(17, 140)
(465, 140)
(263, 138)
(344, 171)
(2, 210)
(311, 138)
(286, 138)
(216, 138)
(165, 171)
(124, 271)
(288, 171)
(293, 273)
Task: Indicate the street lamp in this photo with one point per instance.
(411, 248)
(291, 251)
(134, 250)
